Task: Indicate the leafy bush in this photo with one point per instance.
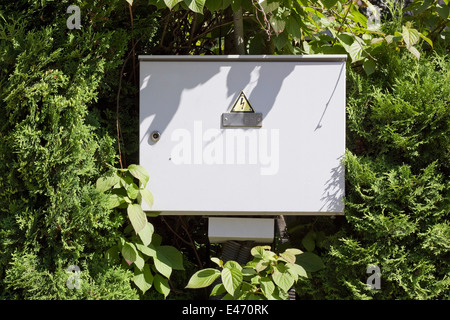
(397, 189)
(52, 149)
(267, 277)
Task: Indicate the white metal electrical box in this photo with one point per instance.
(243, 135)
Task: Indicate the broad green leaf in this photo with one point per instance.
(115, 200)
(261, 265)
(203, 278)
(146, 234)
(294, 251)
(112, 254)
(166, 259)
(217, 261)
(269, 5)
(106, 183)
(288, 257)
(139, 172)
(296, 270)
(267, 287)
(310, 261)
(161, 285)
(231, 279)
(147, 196)
(369, 66)
(147, 250)
(248, 272)
(410, 36)
(428, 40)
(137, 217)
(443, 10)
(143, 279)
(236, 5)
(171, 3)
(132, 191)
(309, 241)
(278, 23)
(258, 251)
(139, 262)
(233, 264)
(195, 5)
(282, 278)
(162, 267)
(329, 3)
(415, 52)
(357, 16)
(171, 256)
(129, 252)
(293, 27)
(355, 51)
(345, 40)
(218, 290)
(213, 5)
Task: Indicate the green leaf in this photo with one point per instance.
(132, 191)
(139, 172)
(218, 290)
(293, 27)
(161, 285)
(231, 279)
(309, 241)
(203, 278)
(269, 5)
(294, 251)
(410, 36)
(267, 287)
(258, 251)
(139, 262)
(288, 257)
(146, 234)
(147, 250)
(171, 3)
(129, 252)
(355, 51)
(278, 23)
(137, 217)
(415, 52)
(369, 66)
(296, 270)
(143, 279)
(106, 183)
(428, 40)
(310, 261)
(217, 261)
(232, 264)
(195, 5)
(147, 196)
(282, 278)
(357, 16)
(114, 201)
(236, 5)
(166, 259)
(443, 10)
(329, 3)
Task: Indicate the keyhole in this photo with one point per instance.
(155, 136)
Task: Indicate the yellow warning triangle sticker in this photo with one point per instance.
(241, 104)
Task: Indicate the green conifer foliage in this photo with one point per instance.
(52, 150)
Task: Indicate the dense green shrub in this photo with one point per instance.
(397, 213)
(52, 150)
